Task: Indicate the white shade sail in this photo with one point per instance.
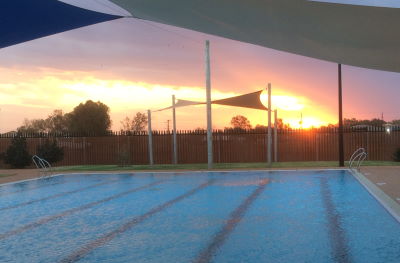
(363, 36)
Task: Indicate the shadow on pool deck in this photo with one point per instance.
(387, 178)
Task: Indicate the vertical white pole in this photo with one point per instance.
(175, 155)
(209, 120)
(276, 136)
(269, 140)
(150, 138)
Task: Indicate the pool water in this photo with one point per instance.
(251, 216)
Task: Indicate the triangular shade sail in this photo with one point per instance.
(24, 20)
(250, 100)
(364, 36)
(182, 103)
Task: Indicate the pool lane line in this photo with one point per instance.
(337, 235)
(58, 195)
(34, 188)
(235, 217)
(73, 210)
(86, 249)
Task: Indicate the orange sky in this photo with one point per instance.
(36, 94)
(134, 66)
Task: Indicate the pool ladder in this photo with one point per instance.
(43, 165)
(358, 156)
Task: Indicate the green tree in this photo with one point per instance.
(240, 122)
(138, 123)
(17, 154)
(50, 151)
(90, 118)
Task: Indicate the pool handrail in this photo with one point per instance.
(360, 155)
(42, 164)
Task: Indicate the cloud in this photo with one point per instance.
(133, 65)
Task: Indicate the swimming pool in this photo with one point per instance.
(252, 216)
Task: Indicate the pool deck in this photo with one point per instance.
(386, 178)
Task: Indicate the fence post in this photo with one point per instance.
(175, 148)
(150, 138)
(269, 139)
(276, 135)
(209, 118)
(316, 146)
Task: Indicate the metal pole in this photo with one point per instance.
(150, 138)
(276, 136)
(209, 120)
(341, 146)
(269, 138)
(175, 155)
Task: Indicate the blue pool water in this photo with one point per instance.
(257, 216)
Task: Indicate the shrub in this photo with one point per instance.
(396, 155)
(50, 151)
(17, 154)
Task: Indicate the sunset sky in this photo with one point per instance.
(134, 65)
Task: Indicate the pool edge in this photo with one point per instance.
(386, 201)
(174, 172)
(30, 179)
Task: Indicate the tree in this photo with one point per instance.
(354, 122)
(396, 122)
(90, 118)
(396, 155)
(50, 151)
(33, 126)
(240, 122)
(279, 124)
(138, 123)
(17, 154)
(55, 122)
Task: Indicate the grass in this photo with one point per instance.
(6, 175)
(79, 168)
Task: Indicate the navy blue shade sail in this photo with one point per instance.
(25, 20)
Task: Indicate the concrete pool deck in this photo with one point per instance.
(386, 178)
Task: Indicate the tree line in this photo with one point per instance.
(93, 118)
(89, 118)
(242, 123)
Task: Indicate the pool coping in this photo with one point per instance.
(391, 206)
(173, 172)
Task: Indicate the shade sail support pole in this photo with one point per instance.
(276, 135)
(341, 142)
(150, 133)
(209, 119)
(269, 135)
(175, 148)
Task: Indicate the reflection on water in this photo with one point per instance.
(258, 216)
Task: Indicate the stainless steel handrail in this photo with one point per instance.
(360, 155)
(42, 164)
